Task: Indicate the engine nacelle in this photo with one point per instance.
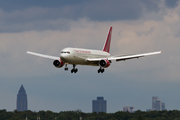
(104, 63)
(58, 63)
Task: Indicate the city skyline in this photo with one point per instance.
(99, 105)
(47, 27)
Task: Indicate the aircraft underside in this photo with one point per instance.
(75, 70)
(79, 61)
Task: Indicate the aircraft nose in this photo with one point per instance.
(64, 57)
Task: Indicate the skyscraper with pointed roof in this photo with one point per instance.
(21, 100)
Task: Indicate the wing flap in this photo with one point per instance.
(95, 59)
(42, 55)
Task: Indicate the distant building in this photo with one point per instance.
(99, 105)
(154, 98)
(157, 104)
(163, 106)
(21, 100)
(147, 110)
(129, 109)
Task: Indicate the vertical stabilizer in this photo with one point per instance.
(108, 41)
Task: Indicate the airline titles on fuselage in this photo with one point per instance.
(82, 51)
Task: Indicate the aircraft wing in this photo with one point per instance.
(42, 55)
(123, 58)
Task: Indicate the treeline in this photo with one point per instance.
(76, 115)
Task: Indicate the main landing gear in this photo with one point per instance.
(74, 69)
(101, 70)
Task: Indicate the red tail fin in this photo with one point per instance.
(108, 41)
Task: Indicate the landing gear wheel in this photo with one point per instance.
(74, 69)
(66, 68)
(101, 70)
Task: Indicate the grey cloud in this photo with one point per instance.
(115, 10)
(112, 10)
(32, 19)
(171, 3)
(145, 32)
(61, 24)
(151, 5)
(177, 33)
(10, 5)
(32, 15)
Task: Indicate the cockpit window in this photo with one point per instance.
(65, 52)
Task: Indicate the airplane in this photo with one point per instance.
(90, 57)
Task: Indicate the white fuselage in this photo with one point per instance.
(78, 56)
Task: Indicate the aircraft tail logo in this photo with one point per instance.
(108, 41)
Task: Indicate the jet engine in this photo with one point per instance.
(104, 63)
(58, 63)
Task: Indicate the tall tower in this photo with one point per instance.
(99, 105)
(21, 100)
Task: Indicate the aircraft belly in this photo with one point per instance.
(80, 61)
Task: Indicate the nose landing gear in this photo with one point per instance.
(66, 68)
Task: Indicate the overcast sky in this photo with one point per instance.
(44, 26)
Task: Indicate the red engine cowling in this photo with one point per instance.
(58, 63)
(104, 63)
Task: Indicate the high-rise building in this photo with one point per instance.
(157, 104)
(154, 98)
(163, 106)
(129, 109)
(99, 105)
(21, 100)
